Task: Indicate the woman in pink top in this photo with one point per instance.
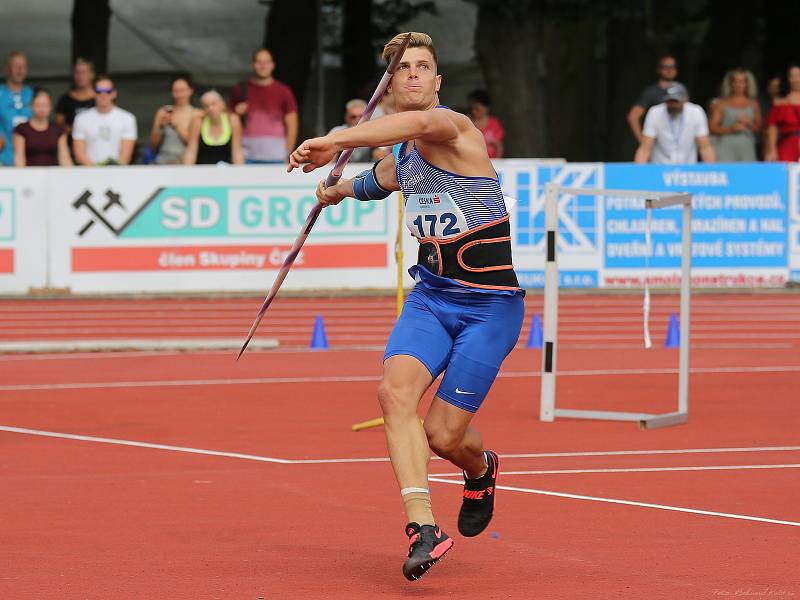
(489, 126)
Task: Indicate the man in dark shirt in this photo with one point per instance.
(653, 94)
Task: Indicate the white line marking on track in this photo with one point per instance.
(139, 354)
(318, 461)
(187, 382)
(118, 442)
(373, 378)
(637, 470)
(630, 503)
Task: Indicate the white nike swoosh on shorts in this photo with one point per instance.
(458, 391)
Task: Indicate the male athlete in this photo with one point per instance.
(465, 312)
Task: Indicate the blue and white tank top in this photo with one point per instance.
(441, 204)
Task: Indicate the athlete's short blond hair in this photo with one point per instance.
(418, 40)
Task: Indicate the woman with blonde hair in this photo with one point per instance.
(215, 135)
(736, 118)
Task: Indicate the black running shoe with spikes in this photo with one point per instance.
(477, 505)
(427, 544)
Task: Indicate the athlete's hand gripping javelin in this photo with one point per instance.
(314, 153)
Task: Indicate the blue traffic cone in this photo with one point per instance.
(673, 339)
(535, 337)
(318, 338)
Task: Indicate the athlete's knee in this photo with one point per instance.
(442, 441)
(395, 398)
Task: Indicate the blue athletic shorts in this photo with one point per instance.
(467, 335)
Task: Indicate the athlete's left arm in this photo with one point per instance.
(383, 172)
(429, 125)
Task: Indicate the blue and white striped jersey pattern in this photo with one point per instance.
(440, 204)
(479, 199)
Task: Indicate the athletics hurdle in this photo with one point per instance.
(548, 410)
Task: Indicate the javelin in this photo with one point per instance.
(333, 177)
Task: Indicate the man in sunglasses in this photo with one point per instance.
(653, 94)
(105, 134)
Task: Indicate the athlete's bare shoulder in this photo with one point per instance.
(460, 120)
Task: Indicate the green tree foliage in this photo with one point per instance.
(563, 73)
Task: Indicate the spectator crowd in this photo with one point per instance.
(259, 123)
(676, 130)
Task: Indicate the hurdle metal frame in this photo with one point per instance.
(548, 410)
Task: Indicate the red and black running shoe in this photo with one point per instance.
(477, 506)
(427, 544)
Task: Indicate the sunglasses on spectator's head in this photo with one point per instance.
(103, 90)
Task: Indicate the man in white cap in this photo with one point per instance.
(674, 131)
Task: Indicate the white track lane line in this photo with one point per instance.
(318, 461)
(188, 382)
(139, 354)
(337, 325)
(768, 318)
(303, 349)
(101, 440)
(118, 442)
(630, 503)
(322, 461)
(637, 470)
(373, 378)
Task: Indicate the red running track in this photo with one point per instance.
(596, 321)
(223, 508)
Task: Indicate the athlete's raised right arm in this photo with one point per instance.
(436, 126)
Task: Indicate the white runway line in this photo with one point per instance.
(630, 503)
(267, 459)
(656, 452)
(188, 382)
(322, 461)
(636, 470)
(372, 378)
(135, 355)
(376, 459)
(118, 442)
(770, 317)
(18, 327)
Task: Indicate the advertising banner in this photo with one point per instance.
(580, 224)
(163, 229)
(23, 232)
(741, 227)
(794, 223)
(209, 228)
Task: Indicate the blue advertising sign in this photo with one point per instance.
(740, 216)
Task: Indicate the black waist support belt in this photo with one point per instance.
(481, 257)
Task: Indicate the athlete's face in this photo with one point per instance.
(415, 82)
